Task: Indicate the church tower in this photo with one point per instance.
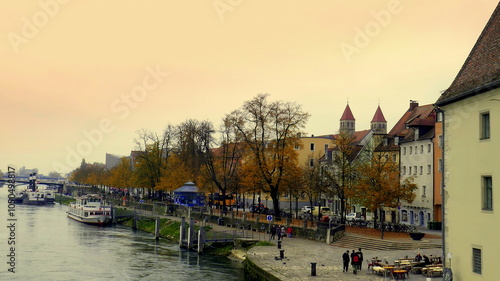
(347, 121)
(379, 124)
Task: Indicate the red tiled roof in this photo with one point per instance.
(358, 136)
(379, 116)
(347, 115)
(481, 70)
(419, 112)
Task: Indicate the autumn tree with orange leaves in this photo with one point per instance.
(269, 130)
(380, 184)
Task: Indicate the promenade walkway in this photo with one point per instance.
(300, 253)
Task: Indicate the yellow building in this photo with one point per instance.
(471, 108)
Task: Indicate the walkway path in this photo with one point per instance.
(300, 253)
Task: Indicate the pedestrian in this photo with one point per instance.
(283, 232)
(360, 254)
(345, 258)
(273, 232)
(354, 261)
(289, 231)
(278, 232)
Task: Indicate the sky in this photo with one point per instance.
(78, 79)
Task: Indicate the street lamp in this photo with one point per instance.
(382, 220)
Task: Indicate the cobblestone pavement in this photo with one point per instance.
(300, 253)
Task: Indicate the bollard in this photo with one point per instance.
(282, 254)
(313, 269)
(279, 244)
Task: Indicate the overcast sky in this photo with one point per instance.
(79, 78)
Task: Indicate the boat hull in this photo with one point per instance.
(96, 219)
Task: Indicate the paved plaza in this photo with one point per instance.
(300, 253)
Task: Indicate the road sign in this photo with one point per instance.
(269, 218)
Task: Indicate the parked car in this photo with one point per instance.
(353, 217)
(306, 209)
(325, 211)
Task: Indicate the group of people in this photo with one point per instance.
(280, 232)
(425, 259)
(356, 259)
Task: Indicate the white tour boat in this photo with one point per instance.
(90, 209)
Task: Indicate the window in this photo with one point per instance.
(485, 125)
(424, 189)
(415, 170)
(416, 149)
(487, 193)
(440, 141)
(394, 157)
(409, 170)
(404, 150)
(440, 165)
(416, 134)
(312, 146)
(411, 150)
(429, 169)
(396, 140)
(297, 147)
(404, 215)
(421, 170)
(422, 149)
(311, 162)
(476, 260)
(429, 148)
(404, 170)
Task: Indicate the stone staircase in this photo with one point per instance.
(355, 241)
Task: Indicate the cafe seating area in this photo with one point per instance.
(402, 269)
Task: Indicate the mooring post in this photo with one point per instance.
(190, 233)
(313, 269)
(157, 228)
(182, 232)
(113, 214)
(201, 240)
(328, 236)
(134, 220)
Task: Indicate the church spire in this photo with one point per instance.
(379, 124)
(347, 121)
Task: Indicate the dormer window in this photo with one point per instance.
(416, 134)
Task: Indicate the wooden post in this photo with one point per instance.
(134, 220)
(157, 228)
(201, 240)
(328, 233)
(182, 232)
(190, 233)
(113, 214)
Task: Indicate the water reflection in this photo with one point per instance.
(50, 246)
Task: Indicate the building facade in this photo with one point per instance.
(471, 111)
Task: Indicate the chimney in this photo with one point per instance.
(413, 104)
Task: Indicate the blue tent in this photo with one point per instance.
(188, 195)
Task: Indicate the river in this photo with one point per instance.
(51, 246)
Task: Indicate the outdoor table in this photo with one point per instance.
(388, 270)
(399, 274)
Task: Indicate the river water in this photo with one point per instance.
(51, 246)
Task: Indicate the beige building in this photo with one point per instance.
(471, 109)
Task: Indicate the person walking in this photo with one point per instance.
(360, 255)
(354, 261)
(345, 258)
(278, 232)
(273, 232)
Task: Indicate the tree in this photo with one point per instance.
(340, 172)
(121, 175)
(153, 156)
(222, 164)
(190, 143)
(270, 129)
(380, 184)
